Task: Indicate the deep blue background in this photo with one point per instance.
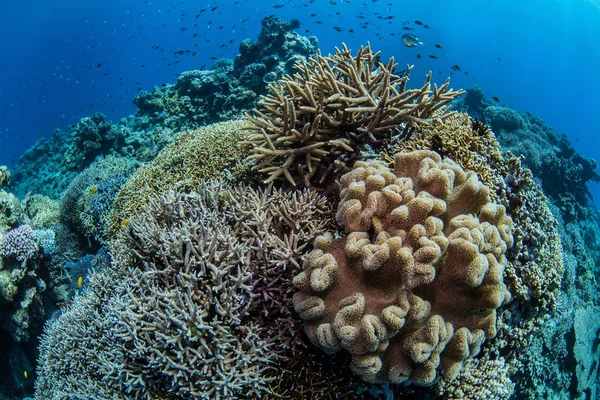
(63, 60)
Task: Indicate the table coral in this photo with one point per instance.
(415, 284)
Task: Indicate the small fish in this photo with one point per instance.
(432, 56)
(79, 281)
(495, 98)
(407, 28)
(455, 68)
(25, 374)
(418, 56)
(426, 26)
(438, 46)
(498, 58)
(411, 40)
(418, 22)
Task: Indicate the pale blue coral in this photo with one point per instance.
(45, 238)
(19, 243)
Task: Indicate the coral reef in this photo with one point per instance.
(20, 284)
(442, 269)
(206, 331)
(230, 87)
(198, 98)
(461, 139)
(10, 211)
(587, 352)
(564, 173)
(313, 125)
(46, 240)
(86, 204)
(91, 137)
(187, 314)
(480, 378)
(4, 176)
(40, 211)
(19, 243)
(211, 151)
(278, 48)
(415, 284)
(51, 165)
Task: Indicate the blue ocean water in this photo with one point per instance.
(66, 60)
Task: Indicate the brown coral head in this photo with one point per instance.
(311, 126)
(412, 290)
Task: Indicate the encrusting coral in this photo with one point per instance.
(314, 124)
(415, 284)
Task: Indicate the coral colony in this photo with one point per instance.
(321, 231)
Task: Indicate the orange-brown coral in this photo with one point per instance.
(468, 142)
(415, 285)
(316, 122)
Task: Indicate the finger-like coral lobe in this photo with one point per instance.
(413, 288)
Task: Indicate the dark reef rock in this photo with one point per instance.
(231, 87)
(277, 49)
(563, 172)
(474, 103)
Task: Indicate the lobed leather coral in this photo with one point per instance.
(316, 122)
(414, 286)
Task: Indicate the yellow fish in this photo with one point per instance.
(79, 281)
(25, 374)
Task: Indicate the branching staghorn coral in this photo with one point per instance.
(414, 287)
(279, 225)
(184, 313)
(317, 121)
(201, 306)
(80, 358)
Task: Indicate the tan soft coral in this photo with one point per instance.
(414, 286)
